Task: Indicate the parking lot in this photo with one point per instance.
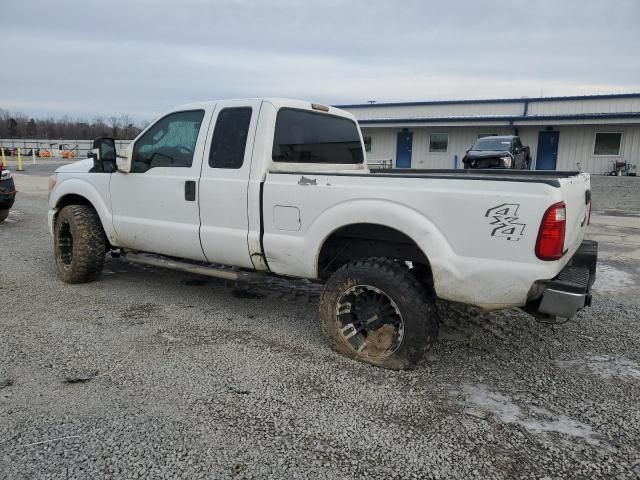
(159, 374)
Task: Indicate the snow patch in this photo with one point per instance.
(611, 280)
(607, 366)
(508, 412)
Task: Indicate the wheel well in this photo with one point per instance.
(74, 199)
(362, 240)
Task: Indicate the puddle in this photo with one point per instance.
(612, 280)
(246, 294)
(195, 282)
(170, 338)
(508, 412)
(606, 366)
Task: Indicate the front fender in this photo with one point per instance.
(95, 192)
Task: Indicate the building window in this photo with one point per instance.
(607, 144)
(367, 143)
(439, 142)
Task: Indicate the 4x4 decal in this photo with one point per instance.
(505, 221)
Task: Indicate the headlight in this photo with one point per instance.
(6, 174)
(506, 161)
(53, 179)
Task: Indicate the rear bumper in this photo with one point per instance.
(570, 291)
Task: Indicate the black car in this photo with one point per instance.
(7, 192)
(505, 151)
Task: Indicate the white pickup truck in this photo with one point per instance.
(281, 187)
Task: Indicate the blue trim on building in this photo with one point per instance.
(506, 118)
(493, 100)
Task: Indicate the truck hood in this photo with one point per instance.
(81, 166)
(487, 153)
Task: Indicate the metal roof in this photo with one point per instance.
(494, 100)
(505, 118)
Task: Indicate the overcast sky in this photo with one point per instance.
(140, 57)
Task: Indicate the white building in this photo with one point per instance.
(592, 131)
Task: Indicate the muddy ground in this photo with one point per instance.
(154, 374)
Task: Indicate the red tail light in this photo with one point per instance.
(550, 244)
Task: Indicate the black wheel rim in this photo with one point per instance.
(369, 322)
(65, 243)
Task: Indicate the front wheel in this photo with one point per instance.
(376, 311)
(4, 213)
(79, 243)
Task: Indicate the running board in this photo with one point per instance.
(198, 269)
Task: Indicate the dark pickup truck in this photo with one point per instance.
(7, 192)
(504, 151)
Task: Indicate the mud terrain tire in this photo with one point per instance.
(382, 293)
(79, 243)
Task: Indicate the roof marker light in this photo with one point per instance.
(317, 106)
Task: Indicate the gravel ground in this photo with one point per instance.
(154, 374)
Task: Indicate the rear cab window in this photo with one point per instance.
(302, 136)
(230, 138)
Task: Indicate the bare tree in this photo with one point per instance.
(18, 125)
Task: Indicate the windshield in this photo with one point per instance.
(491, 143)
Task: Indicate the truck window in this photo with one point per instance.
(170, 142)
(230, 138)
(302, 136)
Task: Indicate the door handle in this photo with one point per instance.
(190, 190)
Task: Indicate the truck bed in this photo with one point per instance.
(447, 213)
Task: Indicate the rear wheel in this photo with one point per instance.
(4, 213)
(79, 243)
(375, 311)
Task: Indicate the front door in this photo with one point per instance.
(403, 151)
(547, 150)
(155, 205)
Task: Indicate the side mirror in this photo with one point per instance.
(104, 155)
(123, 162)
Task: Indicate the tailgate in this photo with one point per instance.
(576, 193)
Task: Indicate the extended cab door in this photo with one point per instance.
(224, 183)
(155, 205)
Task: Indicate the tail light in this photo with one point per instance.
(550, 244)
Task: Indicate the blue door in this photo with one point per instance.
(403, 152)
(547, 150)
